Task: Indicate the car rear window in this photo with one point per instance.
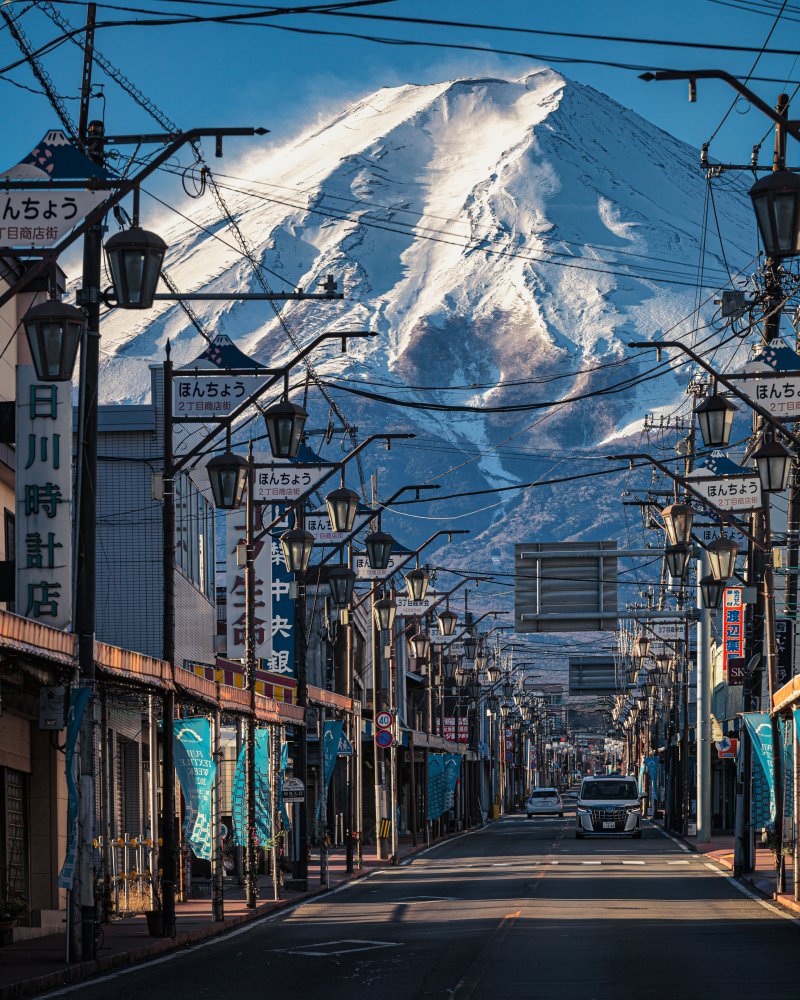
(544, 794)
(598, 790)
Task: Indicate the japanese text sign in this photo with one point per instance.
(729, 492)
(780, 394)
(210, 397)
(732, 626)
(44, 499)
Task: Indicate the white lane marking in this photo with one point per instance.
(591, 862)
(682, 862)
(357, 944)
(502, 864)
(669, 836)
(554, 862)
(752, 895)
(633, 862)
(408, 900)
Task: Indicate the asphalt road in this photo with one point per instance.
(519, 910)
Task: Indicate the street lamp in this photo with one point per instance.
(677, 557)
(227, 475)
(470, 646)
(285, 424)
(493, 672)
(341, 580)
(643, 647)
(773, 462)
(715, 417)
(384, 612)
(417, 584)
(776, 200)
(297, 545)
(379, 549)
(420, 646)
(722, 554)
(447, 621)
(342, 504)
(54, 332)
(678, 519)
(711, 590)
(135, 257)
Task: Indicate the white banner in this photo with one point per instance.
(235, 529)
(412, 609)
(44, 499)
(200, 397)
(43, 218)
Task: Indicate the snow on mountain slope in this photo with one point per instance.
(492, 232)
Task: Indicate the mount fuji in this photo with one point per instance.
(505, 239)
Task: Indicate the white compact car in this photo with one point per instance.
(544, 802)
(608, 805)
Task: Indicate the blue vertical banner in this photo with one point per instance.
(331, 732)
(196, 772)
(759, 729)
(263, 798)
(78, 699)
(452, 769)
(435, 785)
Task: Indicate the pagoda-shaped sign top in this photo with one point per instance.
(40, 216)
(774, 357)
(772, 380)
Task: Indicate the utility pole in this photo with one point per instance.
(703, 709)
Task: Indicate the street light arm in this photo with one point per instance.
(725, 515)
(720, 74)
(730, 386)
(277, 375)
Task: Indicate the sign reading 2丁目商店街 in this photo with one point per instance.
(43, 499)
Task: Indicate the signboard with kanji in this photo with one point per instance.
(365, 572)
(282, 482)
(274, 607)
(209, 398)
(729, 492)
(411, 609)
(777, 392)
(44, 499)
(456, 729)
(732, 626)
(784, 648)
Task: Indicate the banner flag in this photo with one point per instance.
(78, 699)
(331, 732)
(452, 769)
(263, 799)
(759, 729)
(196, 773)
(435, 785)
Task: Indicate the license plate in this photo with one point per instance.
(609, 826)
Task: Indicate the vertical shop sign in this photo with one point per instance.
(732, 626)
(44, 499)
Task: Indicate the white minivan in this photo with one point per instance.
(608, 805)
(544, 802)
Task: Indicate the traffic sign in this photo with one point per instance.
(345, 748)
(293, 790)
(383, 738)
(383, 720)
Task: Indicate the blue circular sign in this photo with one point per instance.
(383, 738)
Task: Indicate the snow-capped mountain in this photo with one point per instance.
(506, 235)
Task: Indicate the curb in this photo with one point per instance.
(71, 974)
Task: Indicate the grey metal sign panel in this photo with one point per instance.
(592, 675)
(574, 582)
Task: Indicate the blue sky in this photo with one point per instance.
(216, 74)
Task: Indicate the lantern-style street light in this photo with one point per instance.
(297, 545)
(715, 417)
(776, 200)
(384, 612)
(135, 257)
(379, 549)
(774, 463)
(420, 646)
(447, 621)
(417, 584)
(227, 474)
(678, 519)
(677, 557)
(341, 580)
(722, 554)
(642, 647)
(342, 504)
(712, 591)
(54, 331)
(285, 422)
(470, 646)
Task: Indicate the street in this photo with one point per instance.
(521, 909)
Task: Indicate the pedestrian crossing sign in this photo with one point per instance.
(345, 748)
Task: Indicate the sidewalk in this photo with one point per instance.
(762, 878)
(37, 965)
